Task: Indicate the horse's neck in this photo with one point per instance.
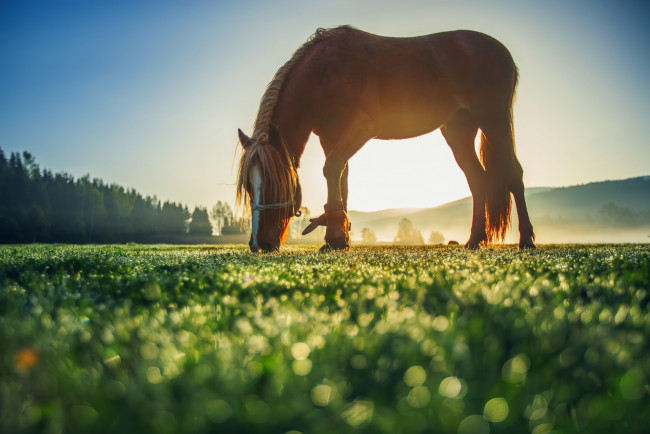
(294, 117)
(295, 137)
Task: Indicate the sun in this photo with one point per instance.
(411, 173)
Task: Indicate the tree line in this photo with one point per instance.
(39, 206)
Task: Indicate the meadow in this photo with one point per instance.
(167, 339)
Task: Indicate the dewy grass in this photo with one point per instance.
(392, 340)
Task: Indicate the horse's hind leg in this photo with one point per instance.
(499, 148)
(460, 132)
(516, 182)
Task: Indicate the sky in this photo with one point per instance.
(149, 95)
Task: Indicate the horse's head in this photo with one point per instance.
(268, 181)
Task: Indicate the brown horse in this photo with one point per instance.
(349, 86)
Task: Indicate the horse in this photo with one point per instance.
(348, 86)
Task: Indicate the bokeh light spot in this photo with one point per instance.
(25, 359)
(496, 409)
(153, 375)
(358, 412)
(300, 351)
(321, 394)
(515, 369)
(218, 410)
(419, 397)
(450, 387)
(301, 367)
(415, 376)
(149, 350)
(440, 323)
(632, 385)
(358, 361)
(473, 425)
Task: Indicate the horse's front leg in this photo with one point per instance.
(337, 234)
(335, 170)
(344, 187)
(321, 220)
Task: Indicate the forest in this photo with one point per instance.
(37, 205)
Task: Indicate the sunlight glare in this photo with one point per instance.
(412, 173)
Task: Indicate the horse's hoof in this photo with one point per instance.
(337, 234)
(474, 242)
(526, 245)
(325, 248)
(333, 247)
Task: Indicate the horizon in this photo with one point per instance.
(150, 96)
(161, 200)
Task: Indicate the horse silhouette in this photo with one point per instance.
(347, 87)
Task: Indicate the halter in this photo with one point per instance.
(279, 205)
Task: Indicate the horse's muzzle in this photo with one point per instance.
(263, 247)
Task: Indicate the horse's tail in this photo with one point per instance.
(498, 203)
(497, 167)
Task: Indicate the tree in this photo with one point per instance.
(368, 236)
(620, 216)
(94, 214)
(221, 213)
(245, 221)
(173, 219)
(36, 224)
(407, 234)
(145, 216)
(200, 223)
(436, 238)
(37, 205)
(225, 222)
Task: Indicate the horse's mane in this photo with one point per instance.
(275, 163)
(272, 93)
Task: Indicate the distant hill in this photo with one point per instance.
(608, 211)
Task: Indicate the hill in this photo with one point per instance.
(608, 211)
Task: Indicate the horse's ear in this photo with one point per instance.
(274, 137)
(244, 139)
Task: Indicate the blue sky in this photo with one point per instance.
(150, 94)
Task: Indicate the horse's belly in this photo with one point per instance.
(411, 122)
(405, 110)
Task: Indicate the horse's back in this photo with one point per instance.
(348, 43)
(408, 86)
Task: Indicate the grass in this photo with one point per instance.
(391, 340)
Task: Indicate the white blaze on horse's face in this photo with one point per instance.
(256, 183)
(269, 224)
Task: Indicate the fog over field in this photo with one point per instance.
(609, 211)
